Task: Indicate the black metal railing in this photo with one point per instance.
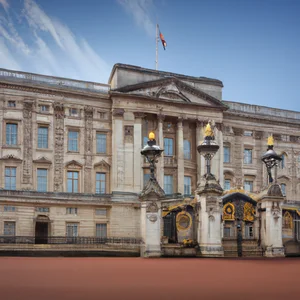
(83, 240)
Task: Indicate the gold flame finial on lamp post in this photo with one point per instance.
(270, 140)
(151, 136)
(208, 131)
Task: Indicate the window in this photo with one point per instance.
(145, 140)
(247, 133)
(168, 184)
(282, 163)
(187, 149)
(10, 178)
(249, 231)
(9, 228)
(73, 140)
(287, 221)
(226, 154)
(101, 212)
(9, 208)
(101, 230)
(146, 179)
(73, 181)
(101, 142)
(187, 185)
(247, 156)
(71, 210)
(11, 134)
(72, 230)
(11, 103)
(227, 184)
(42, 180)
(283, 189)
(228, 230)
(73, 112)
(43, 137)
(42, 209)
(44, 108)
(100, 183)
(248, 186)
(168, 147)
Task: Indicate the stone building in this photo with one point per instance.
(70, 162)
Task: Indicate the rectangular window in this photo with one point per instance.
(283, 189)
(9, 228)
(101, 142)
(187, 185)
(73, 112)
(43, 137)
(11, 103)
(249, 232)
(168, 147)
(71, 210)
(73, 140)
(10, 178)
(101, 212)
(72, 230)
(248, 186)
(145, 140)
(226, 154)
(228, 231)
(72, 182)
(44, 108)
(42, 209)
(187, 149)
(100, 183)
(146, 179)
(247, 156)
(247, 133)
(168, 184)
(227, 184)
(9, 208)
(101, 230)
(42, 180)
(11, 134)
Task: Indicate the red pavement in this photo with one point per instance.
(137, 278)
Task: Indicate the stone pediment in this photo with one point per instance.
(102, 165)
(171, 89)
(11, 157)
(42, 160)
(73, 164)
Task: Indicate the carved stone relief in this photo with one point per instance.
(128, 134)
(152, 207)
(88, 148)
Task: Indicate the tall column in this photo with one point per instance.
(238, 155)
(137, 162)
(217, 164)
(117, 182)
(200, 158)
(180, 157)
(259, 166)
(160, 141)
(88, 148)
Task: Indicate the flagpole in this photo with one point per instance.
(156, 54)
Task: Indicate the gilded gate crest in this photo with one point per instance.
(228, 211)
(249, 212)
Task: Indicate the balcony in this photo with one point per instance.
(170, 161)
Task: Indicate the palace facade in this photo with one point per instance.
(71, 168)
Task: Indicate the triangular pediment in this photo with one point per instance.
(102, 164)
(43, 160)
(73, 164)
(171, 89)
(11, 157)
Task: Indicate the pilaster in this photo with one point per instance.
(160, 164)
(180, 157)
(200, 158)
(88, 148)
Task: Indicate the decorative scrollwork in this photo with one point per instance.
(249, 212)
(228, 212)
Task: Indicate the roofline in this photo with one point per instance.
(207, 80)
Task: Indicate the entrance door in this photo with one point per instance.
(41, 232)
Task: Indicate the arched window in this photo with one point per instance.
(287, 222)
(187, 149)
(283, 188)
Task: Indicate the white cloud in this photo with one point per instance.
(140, 9)
(6, 59)
(50, 47)
(4, 4)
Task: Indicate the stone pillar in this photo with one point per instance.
(138, 159)
(238, 157)
(217, 163)
(180, 157)
(271, 225)
(209, 235)
(259, 150)
(200, 158)
(151, 219)
(88, 148)
(160, 142)
(117, 176)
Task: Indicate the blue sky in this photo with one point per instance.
(253, 46)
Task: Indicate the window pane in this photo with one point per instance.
(227, 184)
(168, 146)
(187, 149)
(72, 230)
(72, 182)
(11, 134)
(43, 137)
(9, 228)
(248, 186)
(168, 184)
(248, 156)
(101, 143)
(187, 185)
(42, 180)
(10, 178)
(101, 230)
(226, 154)
(73, 141)
(146, 178)
(283, 189)
(100, 183)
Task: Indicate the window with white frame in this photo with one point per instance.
(248, 186)
(228, 230)
(42, 180)
(43, 137)
(168, 147)
(101, 142)
(283, 188)
(72, 181)
(101, 230)
(72, 230)
(9, 228)
(71, 210)
(10, 178)
(168, 184)
(11, 134)
(227, 184)
(73, 112)
(187, 149)
(73, 136)
(9, 208)
(100, 183)
(249, 231)
(247, 156)
(226, 154)
(187, 185)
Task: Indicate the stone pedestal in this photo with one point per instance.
(209, 236)
(271, 215)
(151, 219)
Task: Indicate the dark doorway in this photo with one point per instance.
(41, 232)
(170, 230)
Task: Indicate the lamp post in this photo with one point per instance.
(271, 159)
(152, 152)
(208, 148)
